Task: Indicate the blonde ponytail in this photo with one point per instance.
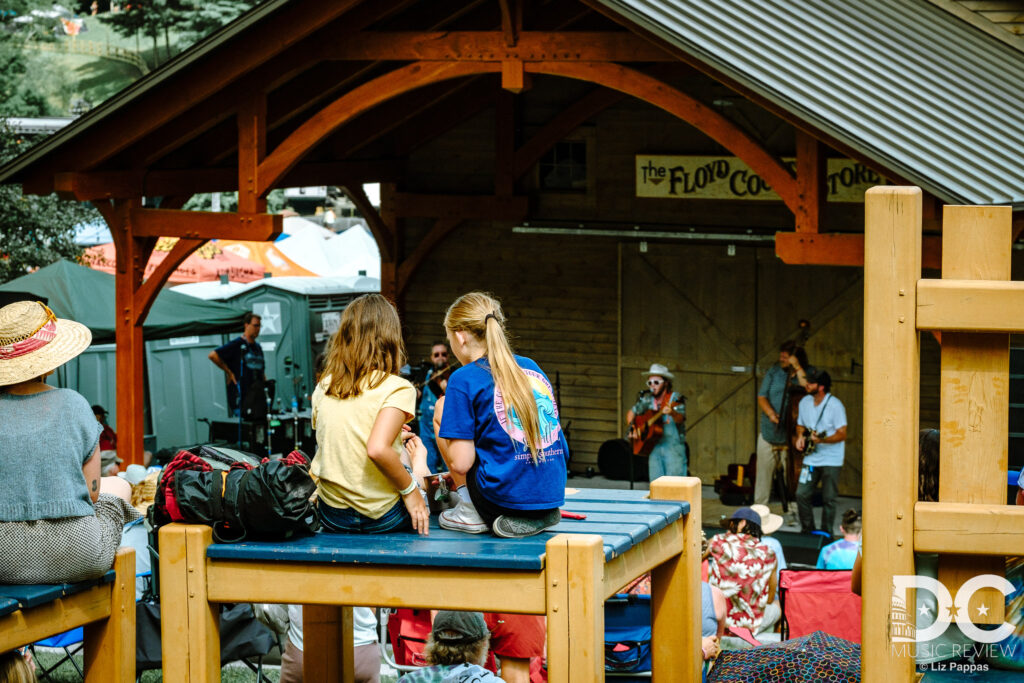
(480, 314)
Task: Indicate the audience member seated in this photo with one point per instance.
(843, 553)
(713, 607)
(456, 650)
(744, 569)
(16, 667)
(108, 437)
(59, 520)
(770, 523)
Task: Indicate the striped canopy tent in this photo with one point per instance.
(209, 262)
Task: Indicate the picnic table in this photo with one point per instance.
(565, 574)
(104, 606)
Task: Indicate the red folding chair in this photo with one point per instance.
(818, 600)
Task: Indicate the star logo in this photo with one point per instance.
(983, 611)
(954, 611)
(924, 610)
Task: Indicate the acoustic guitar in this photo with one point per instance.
(650, 428)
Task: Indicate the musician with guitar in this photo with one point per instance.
(656, 425)
(821, 435)
(433, 387)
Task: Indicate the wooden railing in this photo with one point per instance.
(89, 47)
(973, 308)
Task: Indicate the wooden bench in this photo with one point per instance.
(104, 606)
(565, 574)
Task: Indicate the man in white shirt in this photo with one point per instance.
(821, 435)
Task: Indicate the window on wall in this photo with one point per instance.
(564, 167)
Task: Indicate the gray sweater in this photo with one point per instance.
(45, 439)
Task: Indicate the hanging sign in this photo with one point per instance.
(695, 177)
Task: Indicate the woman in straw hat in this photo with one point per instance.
(59, 520)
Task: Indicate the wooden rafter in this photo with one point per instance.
(93, 185)
(204, 224)
(353, 103)
(488, 46)
(811, 171)
(252, 147)
(145, 295)
(835, 249)
(707, 120)
(383, 233)
(511, 21)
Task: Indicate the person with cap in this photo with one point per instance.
(60, 521)
(456, 650)
(770, 523)
(669, 455)
(842, 554)
(821, 435)
(108, 437)
(743, 567)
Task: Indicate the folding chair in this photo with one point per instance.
(818, 600)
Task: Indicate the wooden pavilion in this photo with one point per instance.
(473, 113)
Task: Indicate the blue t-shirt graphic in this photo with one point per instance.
(506, 473)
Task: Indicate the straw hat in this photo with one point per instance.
(33, 341)
(770, 522)
(660, 370)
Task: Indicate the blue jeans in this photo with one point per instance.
(350, 521)
(668, 459)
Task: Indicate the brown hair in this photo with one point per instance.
(851, 521)
(14, 668)
(441, 653)
(366, 348)
(480, 314)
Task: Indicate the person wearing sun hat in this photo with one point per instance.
(669, 455)
(770, 523)
(59, 520)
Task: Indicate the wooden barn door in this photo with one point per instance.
(717, 320)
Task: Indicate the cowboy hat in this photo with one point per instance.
(660, 370)
(770, 522)
(33, 341)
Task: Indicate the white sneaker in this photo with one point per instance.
(463, 517)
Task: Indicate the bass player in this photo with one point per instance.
(668, 457)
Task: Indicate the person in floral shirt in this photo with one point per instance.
(744, 569)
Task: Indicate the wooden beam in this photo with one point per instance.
(968, 528)
(975, 398)
(892, 362)
(441, 229)
(704, 118)
(93, 185)
(511, 21)
(383, 233)
(252, 147)
(353, 103)
(147, 293)
(513, 78)
(490, 46)
(811, 174)
(970, 305)
(205, 225)
(568, 120)
(464, 207)
(839, 249)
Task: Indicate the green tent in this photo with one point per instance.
(87, 296)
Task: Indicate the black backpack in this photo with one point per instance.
(236, 493)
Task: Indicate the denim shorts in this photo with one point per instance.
(351, 521)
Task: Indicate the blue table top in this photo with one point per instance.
(8, 605)
(622, 518)
(33, 595)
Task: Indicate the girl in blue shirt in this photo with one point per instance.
(499, 431)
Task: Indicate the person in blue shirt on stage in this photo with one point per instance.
(843, 553)
(241, 359)
(821, 435)
(499, 430)
(434, 385)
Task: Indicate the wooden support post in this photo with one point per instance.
(675, 604)
(110, 644)
(575, 617)
(974, 423)
(252, 146)
(389, 285)
(188, 621)
(132, 255)
(328, 653)
(513, 77)
(892, 266)
(811, 170)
